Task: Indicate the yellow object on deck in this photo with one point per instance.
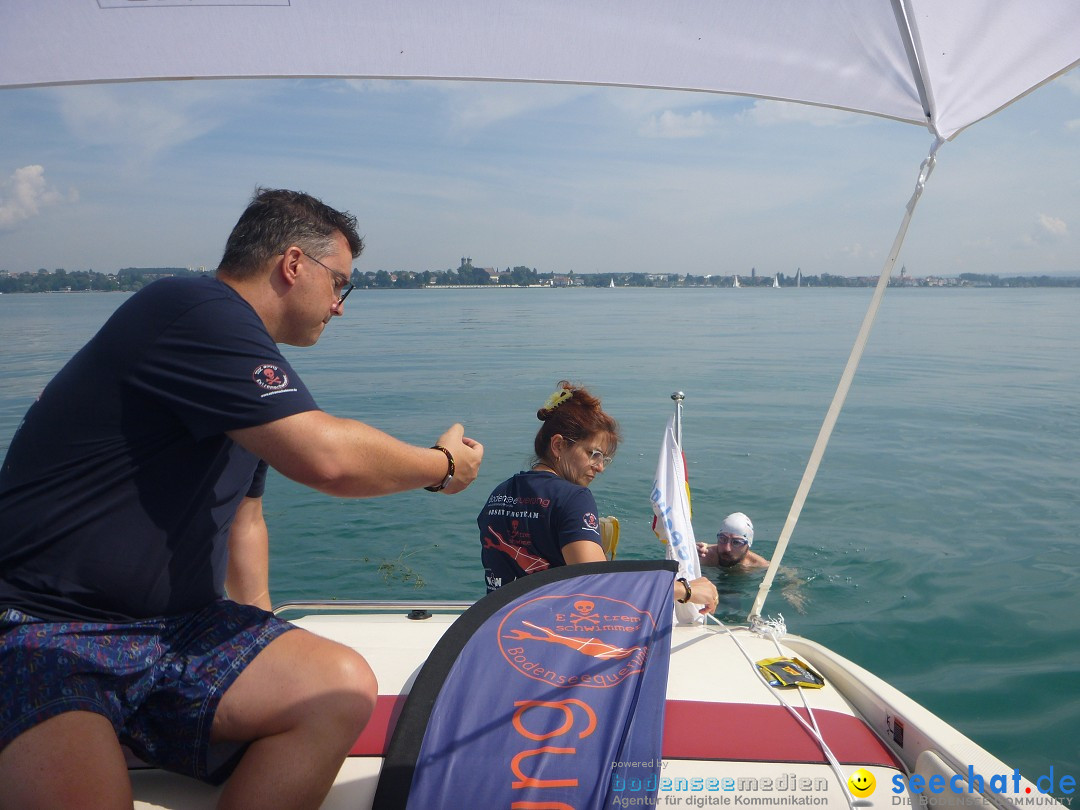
(609, 535)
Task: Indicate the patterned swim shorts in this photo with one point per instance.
(158, 681)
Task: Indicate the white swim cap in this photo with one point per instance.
(738, 525)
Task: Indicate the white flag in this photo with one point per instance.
(671, 521)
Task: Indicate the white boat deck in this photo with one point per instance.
(728, 738)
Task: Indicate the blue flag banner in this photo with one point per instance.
(547, 694)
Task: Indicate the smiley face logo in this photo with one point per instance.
(862, 783)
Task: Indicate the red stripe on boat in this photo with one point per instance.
(752, 732)
(375, 738)
(743, 732)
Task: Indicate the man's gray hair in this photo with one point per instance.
(277, 219)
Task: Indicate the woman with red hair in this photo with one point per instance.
(546, 516)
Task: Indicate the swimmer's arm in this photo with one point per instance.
(792, 589)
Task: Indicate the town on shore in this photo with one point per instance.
(467, 275)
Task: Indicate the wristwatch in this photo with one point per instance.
(689, 593)
(449, 470)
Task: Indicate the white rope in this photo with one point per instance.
(769, 627)
(845, 384)
(814, 731)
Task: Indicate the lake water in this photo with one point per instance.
(940, 544)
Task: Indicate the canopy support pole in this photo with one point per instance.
(845, 384)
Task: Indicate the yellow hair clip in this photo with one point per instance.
(557, 399)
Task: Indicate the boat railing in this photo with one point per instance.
(370, 606)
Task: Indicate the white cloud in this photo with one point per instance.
(767, 113)
(29, 193)
(640, 102)
(373, 85)
(477, 105)
(1071, 81)
(1048, 230)
(669, 124)
(144, 120)
(1053, 226)
(857, 252)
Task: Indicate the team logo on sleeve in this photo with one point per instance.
(270, 377)
(591, 522)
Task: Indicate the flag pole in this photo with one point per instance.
(678, 396)
(672, 510)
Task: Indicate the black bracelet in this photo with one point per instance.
(449, 470)
(689, 593)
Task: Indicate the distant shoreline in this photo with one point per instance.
(520, 278)
(1068, 283)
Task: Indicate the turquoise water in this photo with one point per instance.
(940, 544)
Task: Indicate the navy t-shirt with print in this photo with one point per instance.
(526, 522)
(120, 485)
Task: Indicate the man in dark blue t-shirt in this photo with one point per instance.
(117, 496)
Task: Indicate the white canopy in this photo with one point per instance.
(942, 63)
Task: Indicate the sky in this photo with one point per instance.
(556, 178)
